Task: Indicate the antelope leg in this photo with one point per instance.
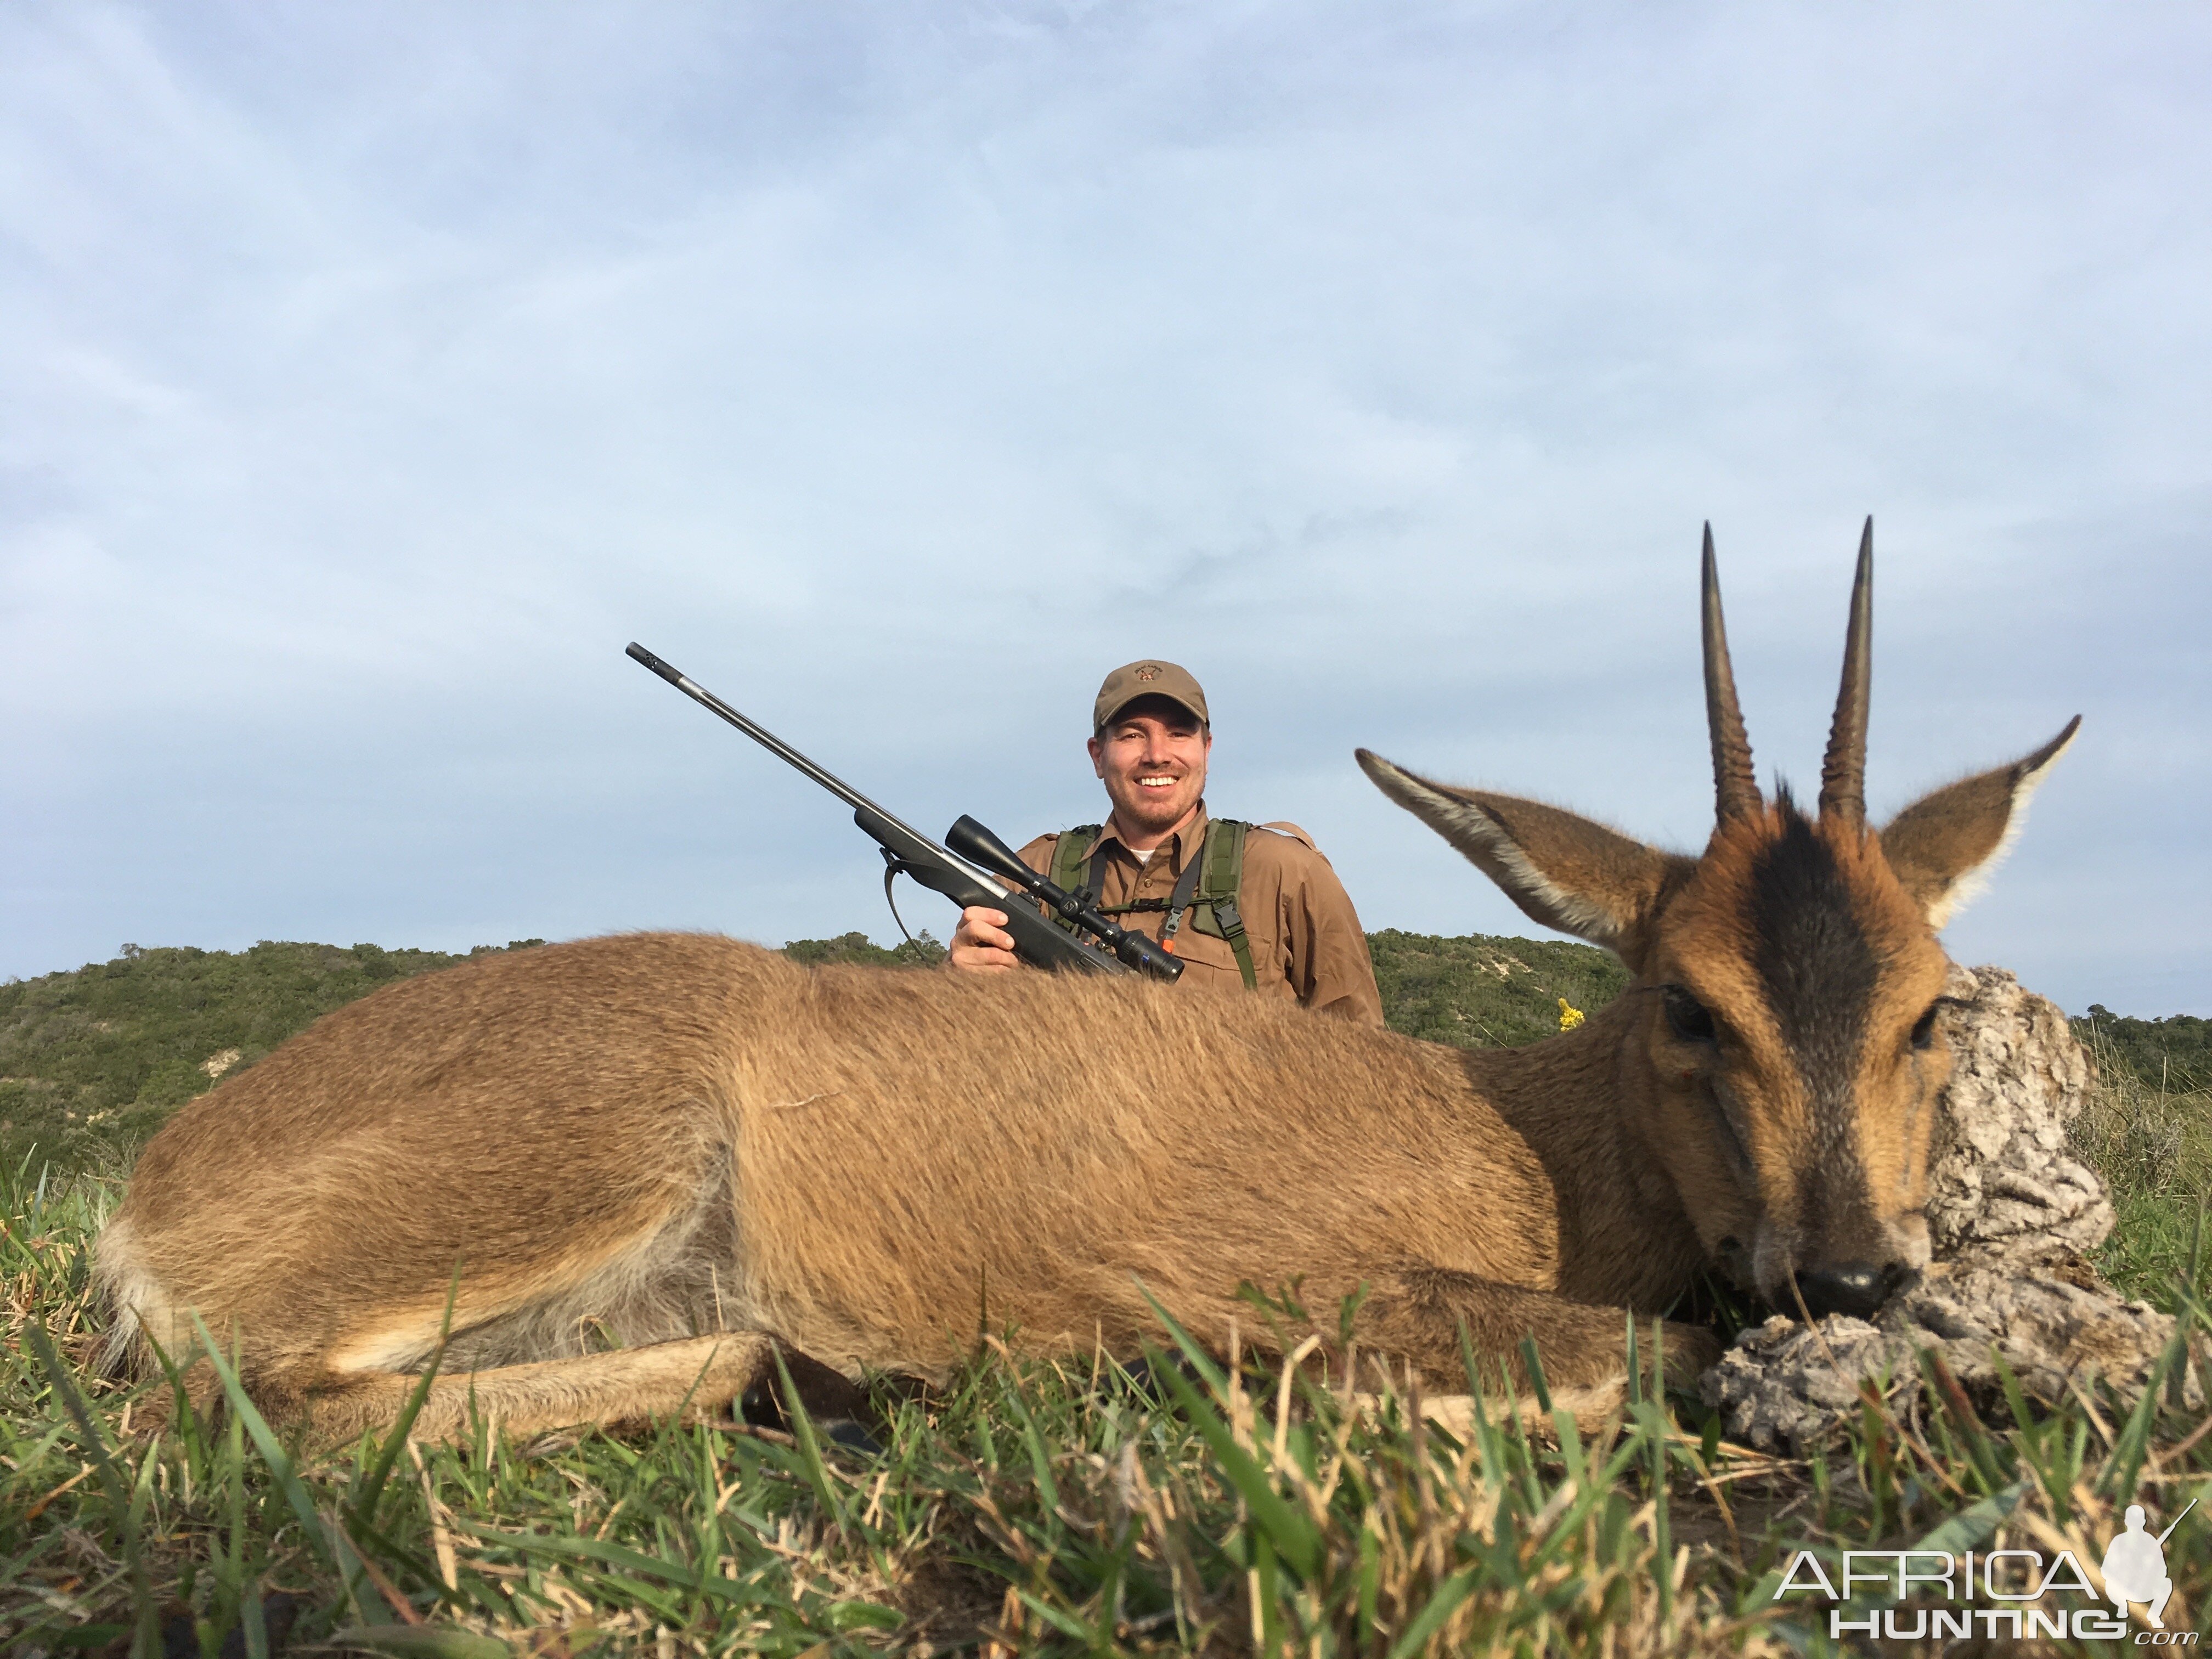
(700, 1375)
(1580, 1347)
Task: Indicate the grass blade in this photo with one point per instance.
(1431, 1619)
(737, 1592)
(1202, 1361)
(146, 1628)
(1973, 1527)
(810, 1445)
(2119, 1479)
(266, 1442)
(1040, 1457)
(1293, 1534)
(422, 1642)
(395, 1438)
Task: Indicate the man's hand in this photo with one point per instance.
(980, 942)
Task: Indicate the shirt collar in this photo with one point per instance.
(1179, 846)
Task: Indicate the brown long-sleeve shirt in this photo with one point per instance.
(1304, 936)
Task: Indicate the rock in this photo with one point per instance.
(2011, 1216)
(1778, 1388)
(1784, 1386)
(2002, 1179)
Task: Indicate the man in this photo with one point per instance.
(2135, 1567)
(1244, 907)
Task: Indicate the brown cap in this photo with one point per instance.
(1147, 679)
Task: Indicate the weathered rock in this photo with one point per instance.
(1778, 1388)
(2049, 1326)
(1784, 1385)
(2003, 1181)
(2011, 1215)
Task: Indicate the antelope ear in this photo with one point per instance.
(1562, 870)
(1944, 846)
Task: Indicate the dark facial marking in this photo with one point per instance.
(1817, 968)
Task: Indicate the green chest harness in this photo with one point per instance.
(1205, 894)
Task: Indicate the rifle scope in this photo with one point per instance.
(972, 842)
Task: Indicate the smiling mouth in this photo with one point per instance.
(1157, 783)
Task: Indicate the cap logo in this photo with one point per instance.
(1151, 671)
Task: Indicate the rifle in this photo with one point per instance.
(908, 852)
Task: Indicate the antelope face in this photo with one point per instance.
(1790, 1020)
(1784, 1021)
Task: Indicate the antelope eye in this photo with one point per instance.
(1689, 1019)
(1923, 1029)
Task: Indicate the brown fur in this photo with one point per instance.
(665, 1134)
(697, 1148)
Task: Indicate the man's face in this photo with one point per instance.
(1151, 757)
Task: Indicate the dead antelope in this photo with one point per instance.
(699, 1148)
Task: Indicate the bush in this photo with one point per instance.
(920, 951)
(2175, 1052)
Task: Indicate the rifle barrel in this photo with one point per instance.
(783, 751)
(2176, 1522)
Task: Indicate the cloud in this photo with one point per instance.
(373, 377)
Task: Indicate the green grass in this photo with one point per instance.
(2153, 1143)
(1484, 993)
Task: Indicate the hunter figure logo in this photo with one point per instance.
(2135, 1566)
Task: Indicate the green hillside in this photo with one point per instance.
(93, 1060)
(1484, 993)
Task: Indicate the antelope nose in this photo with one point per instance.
(1856, 1288)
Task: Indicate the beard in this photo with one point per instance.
(1156, 810)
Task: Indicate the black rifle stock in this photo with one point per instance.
(907, 851)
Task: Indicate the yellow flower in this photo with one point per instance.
(1570, 1016)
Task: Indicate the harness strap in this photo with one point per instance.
(1186, 890)
(1174, 904)
(1223, 858)
(1098, 878)
(1205, 893)
(1067, 860)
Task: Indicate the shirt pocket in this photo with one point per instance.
(1208, 960)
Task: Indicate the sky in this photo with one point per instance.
(370, 376)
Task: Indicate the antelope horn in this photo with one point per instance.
(1735, 788)
(1842, 772)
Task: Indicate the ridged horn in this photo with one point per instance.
(1842, 772)
(1736, 789)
